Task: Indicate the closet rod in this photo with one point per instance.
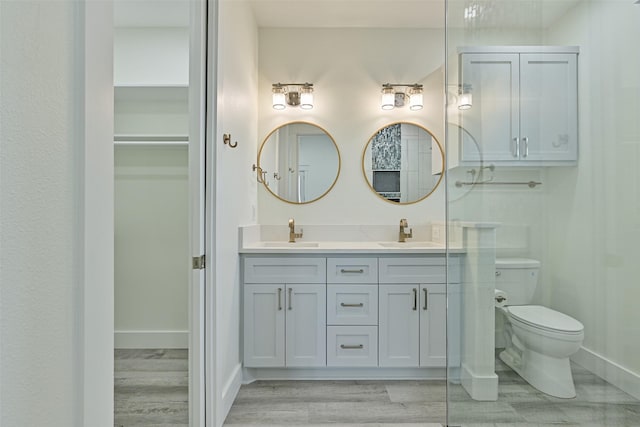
(531, 184)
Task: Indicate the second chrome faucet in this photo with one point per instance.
(402, 234)
(292, 231)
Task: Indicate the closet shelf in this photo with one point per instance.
(151, 139)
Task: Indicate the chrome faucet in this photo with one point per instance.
(402, 235)
(292, 231)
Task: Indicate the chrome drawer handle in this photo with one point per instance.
(351, 305)
(344, 271)
(351, 347)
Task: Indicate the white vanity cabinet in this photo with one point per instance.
(352, 312)
(525, 105)
(284, 312)
(413, 304)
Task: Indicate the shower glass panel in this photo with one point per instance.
(543, 198)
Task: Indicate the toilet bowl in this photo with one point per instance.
(539, 340)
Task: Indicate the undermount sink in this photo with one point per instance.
(405, 245)
(289, 245)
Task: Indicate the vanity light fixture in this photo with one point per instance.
(393, 97)
(292, 94)
(465, 99)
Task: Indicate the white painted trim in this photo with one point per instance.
(615, 374)
(253, 374)
(481, 388)
(230, 390)
(94, 305)
(151, 339)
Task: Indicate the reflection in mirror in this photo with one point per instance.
(300, 162)
(403, 163)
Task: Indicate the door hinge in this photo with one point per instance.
(198, 262)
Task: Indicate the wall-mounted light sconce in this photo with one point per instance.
(465, 99)
(393, 97)
(292, 94)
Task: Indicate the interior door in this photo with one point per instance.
(199, 201)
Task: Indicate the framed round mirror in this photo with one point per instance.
(403, 163)
(299, 162)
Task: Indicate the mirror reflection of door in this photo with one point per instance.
(299, 162)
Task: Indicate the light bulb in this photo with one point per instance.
(306, 97)
(278, 98)
(465, 101)
(388, 98)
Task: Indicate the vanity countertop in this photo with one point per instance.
(338, 240)
(324, 247)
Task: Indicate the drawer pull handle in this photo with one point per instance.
(415, 299)
(342, 304)
(426, 299)
(344, 271)
(351, 347)
(279, 298)
(290, 298)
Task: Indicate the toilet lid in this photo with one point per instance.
(543, 317)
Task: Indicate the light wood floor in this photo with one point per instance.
(151, 389)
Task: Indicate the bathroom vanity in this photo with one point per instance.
(347, 309)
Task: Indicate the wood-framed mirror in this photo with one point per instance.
(299, 162)
(403, 163)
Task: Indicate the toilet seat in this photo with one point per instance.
(539, 317)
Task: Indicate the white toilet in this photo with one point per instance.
(539, 340)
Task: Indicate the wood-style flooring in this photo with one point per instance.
(151, 389)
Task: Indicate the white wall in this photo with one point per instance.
(594, 209)
(348, 68)
(151, 56)
(235, 189)
(151, 246)
(48, 270)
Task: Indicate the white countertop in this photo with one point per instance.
(257, 240)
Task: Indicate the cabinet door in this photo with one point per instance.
(548, 107)
(264, 317)
(493, 120)
(433, 325)
(398, 325)
(306, 325)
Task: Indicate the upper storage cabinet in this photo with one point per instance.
(524, 109)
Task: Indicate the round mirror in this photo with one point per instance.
(299, 162)
(403, 163)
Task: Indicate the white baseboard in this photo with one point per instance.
(151, 339)
(619, 376)
(479, 387)
(229, 393)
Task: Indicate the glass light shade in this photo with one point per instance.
(415, 100)
(278, 99)
(306, 98)
(465, 101)
(388, 98)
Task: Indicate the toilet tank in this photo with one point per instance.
(518, 277)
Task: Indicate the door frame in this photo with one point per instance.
(95, 276)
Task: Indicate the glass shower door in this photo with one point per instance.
(543, 200)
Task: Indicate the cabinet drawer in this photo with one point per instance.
(352, 346)
(352, 304)
(418, 270)
(352, 270)
(285, 270)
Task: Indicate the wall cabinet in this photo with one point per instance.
(525, 106)
(346, 312)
